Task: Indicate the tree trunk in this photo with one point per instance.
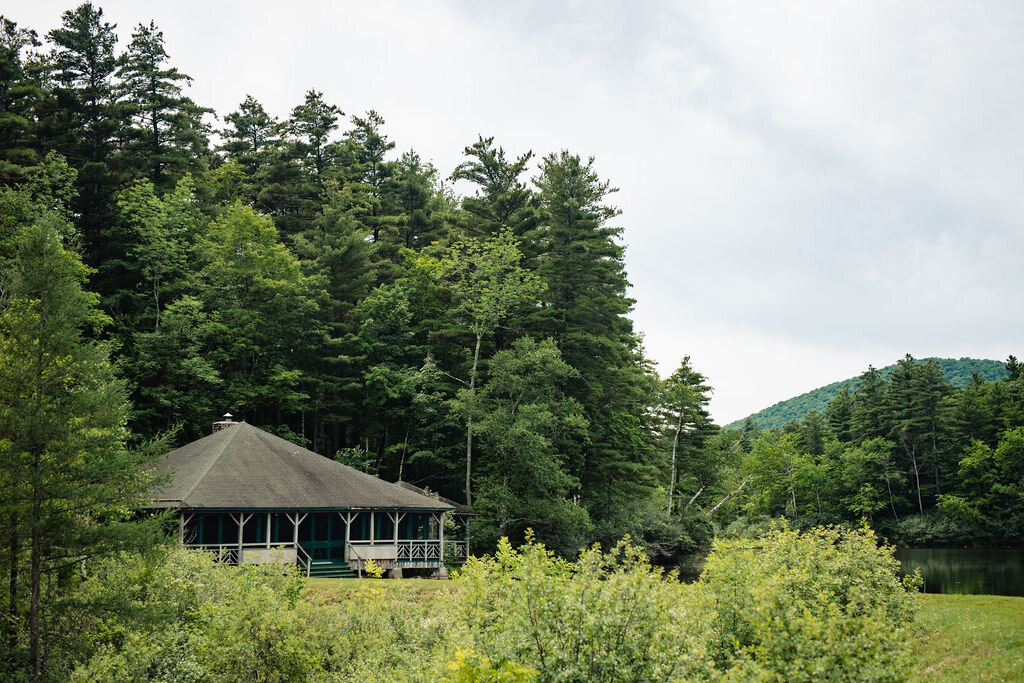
(405, 449)
(917, 480)
(728, 497)
(469, 419)
(892, 503)
(695, 496)
(12, 605)
(675, 444)
(792, 490)
(35, 576)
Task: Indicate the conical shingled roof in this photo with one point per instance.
(245, 468)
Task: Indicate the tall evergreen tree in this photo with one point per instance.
(295, 181)
(501, 200)
(251, 139)
(69, 481)
(168, 137)
(686, 420)
(87, 119)
(839, 413)
(19, 94)
(584, 310)
(867, 411)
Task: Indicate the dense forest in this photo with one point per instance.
(959, 371)
(162, 266)
(307, 277)
(925, 462)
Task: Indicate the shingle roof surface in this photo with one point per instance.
(459, 507)
(242, 467)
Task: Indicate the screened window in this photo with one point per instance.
(281, 530)
(383, 527)
(361, 527)
(255, 529)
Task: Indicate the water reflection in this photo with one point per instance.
(971, 571)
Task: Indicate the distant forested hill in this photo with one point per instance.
(958, 371)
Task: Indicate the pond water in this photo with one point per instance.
(976, 571)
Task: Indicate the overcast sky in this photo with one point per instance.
(806, 187)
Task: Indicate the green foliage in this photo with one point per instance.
(168, 138)
(924, 462)
(70, 483)
(521, 416)
(262, 312)
(826, 604)
(177, 615)
(606, 617)
(469, 667)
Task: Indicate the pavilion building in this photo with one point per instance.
(250, 496)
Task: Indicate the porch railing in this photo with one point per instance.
(303, 559)
(419, 551)
(223, 553)
(456, 550)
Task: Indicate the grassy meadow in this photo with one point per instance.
(969, 638)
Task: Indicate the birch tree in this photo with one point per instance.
(487, 285)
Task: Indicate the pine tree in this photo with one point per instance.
(584, 309)
(686, 420)
(87, 119)
(69, 482)
(19, 95)
(502, 199)
(839, 413)
(251, 140)
(168, 138)
(867, 411)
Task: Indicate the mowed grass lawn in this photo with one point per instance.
(973, 638)
(970, 638)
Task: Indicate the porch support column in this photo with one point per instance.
(296, 521)
(373, 536)
(268, 531)
(440, 527)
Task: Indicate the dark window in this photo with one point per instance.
(384, 528)
(217, 529)
(255, 530)
(306, 529)
(281, 530)
(337, 527)
(320, 526)
(418, 526)
(361, 527)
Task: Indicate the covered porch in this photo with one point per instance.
(324, 542)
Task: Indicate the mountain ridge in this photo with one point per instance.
(957, 370)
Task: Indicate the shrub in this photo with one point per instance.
(825, 604)
(607, 617)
